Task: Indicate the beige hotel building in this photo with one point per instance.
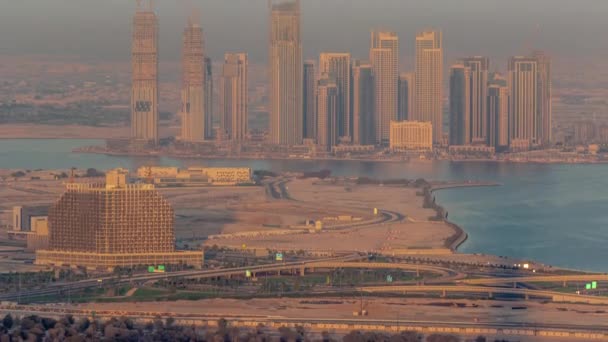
(411, 135)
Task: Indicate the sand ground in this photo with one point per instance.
(201, 212)
(415, 232)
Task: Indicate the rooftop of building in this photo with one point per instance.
(116, 180)
(285, 6)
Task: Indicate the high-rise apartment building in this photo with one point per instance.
(285, 71)
(193, 84)
(429, 81)
(460, 105)
(337, 66)
(144, 82)
(411, 135)
(208, 99)
(498, 113)
(364, 131)
(544, 98)
(384, 56)
(113, 224)
(328, 105)
(406, 96)
(524, 122)
(309, 98)
(233, 97)
(478, 97)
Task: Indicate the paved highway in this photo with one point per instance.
(444, 289)
(537, 279)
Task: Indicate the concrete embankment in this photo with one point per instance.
(460, 236)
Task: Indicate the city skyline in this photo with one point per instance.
(399, 96)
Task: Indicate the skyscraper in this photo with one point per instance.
(144, 83)
(309, 108)
(498, 113)
(233, 96)
(479, 95)
(524, 124)
(328, 106)
(364, 131)
(429, 81)
(285, 69)
(384, 56)
(406, 96)
(193, 83)
(208, 98)
(337, 66)
(544, 98)
(460, 105)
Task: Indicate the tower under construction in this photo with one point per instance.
(193, 83)
(144, 86)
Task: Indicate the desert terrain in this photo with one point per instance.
(414, 232)
(236, 216)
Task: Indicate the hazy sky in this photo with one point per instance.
(101, 28)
